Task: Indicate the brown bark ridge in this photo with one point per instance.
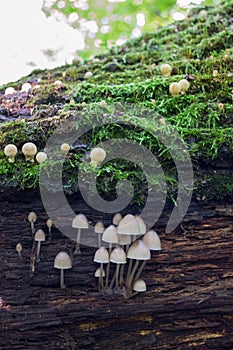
(188, 303)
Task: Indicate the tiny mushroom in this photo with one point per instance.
(10, 90)
(98, 274)
(141, 224)
(39, 237)
(79, 222)
(19, 249)
(174, 89)
(49, 224)
(97, 155)
(101, 257)
(166, 69)
(41, 157)
(63, 262)
(32, 217)
(99, 229)
(118, 257)
(29, 150)
(10, 152)
(184, 85)
(26, 87)
(116, 219)
(111, 237)
(139, 285)
(65, 148)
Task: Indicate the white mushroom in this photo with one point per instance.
(63, 262)
(116, 219)
(110, 236)
(101, 257)
(29, 150)
(41, 157)
(139, 286)
(99, 229)
(32, 217)
(49, 224)
(166, 69)
(39, 237)
(184, 85)
(26, 87)
(10, 152)
(118, 257)
(80, 222)
(19, 249)
(97, 156)
(10, 90)
(65, 148)
(98, 274)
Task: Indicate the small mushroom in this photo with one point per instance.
(29, 150)
(139, 285)
(39, 237)
(10, 152)
(101, 257)
(97, 156)
(116, 219)
(32, 217)
(63, 262)
(166, 69)
(99, 229)
(184, 85)
(49, 224)
(174, 89)
(111, 237)
(80, 222)
(118, 257)
(65, 148)
(98, 274)
(41, 157)
(19, 249)
(10, 90)
(26, 87)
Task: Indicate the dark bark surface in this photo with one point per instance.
(188, 304)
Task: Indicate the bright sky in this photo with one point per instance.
(26, 33)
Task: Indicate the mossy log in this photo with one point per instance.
(189, 299)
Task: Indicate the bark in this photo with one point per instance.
(188, 304)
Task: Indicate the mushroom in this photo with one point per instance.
(184, 85)
(166, 69)
(26, 87)
(41, 157)
(63, 262)
(39, 237)
(103, 103)
(32, 217)
(10, 90)
(98, 274)
(49, 224)
(142, 226)
(88, 75)
(174, 89)
(111, 237)
(19, 249)
(139, 285)
(137, 251)
(65, 148)
(97, 156)
(152, 241)
(10, 152)
(116, 219)
(99, 229)
(101, 257)
(79, 222)
(117, 256)
(29, 150)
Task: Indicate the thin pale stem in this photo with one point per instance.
(129, 270)
(122, 275)
(101, 276)
(131, 277)
(139, 271)
(38, 252)
(50, 234)
(62, 279)
(77, 250)
(32, 227)
(112, 281)
(117, 275)
(99, 240)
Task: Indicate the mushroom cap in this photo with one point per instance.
(26, 87)
(124, 239)
(65, 147)
(97, 272)
(49, 223)
(80, 221)
(99, 227)
(141, 224)
(97, 155)
(184, 85)
(110, 235)
(62, 261)
(117, 218)
(118, 256)
(41, 157)
(39, 236)
(29, 149)
(174, 89)
(101, 256)
(166, 69)
(32, 217)
(152, 240)
(139, 251)
(19, 247)
(129, 226)
(139, 285)
(10, 150)
(9, 91)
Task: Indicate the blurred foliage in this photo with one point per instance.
(105, 23)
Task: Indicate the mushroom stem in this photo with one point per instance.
(99, 240)
(122, 275)
(62, 285)
(129, 270)
(108, 267)
(112, 281)
(33, 227)
(117, 275)
(38, 252)
(77, 249)
(131, 277)
(140, 271)
(50, 234)
(20, 256)
(101, 276)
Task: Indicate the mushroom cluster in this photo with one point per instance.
(29, 151)
(128, 244)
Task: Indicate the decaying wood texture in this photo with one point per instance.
(188, 305)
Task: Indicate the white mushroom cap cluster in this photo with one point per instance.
(29, 150)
